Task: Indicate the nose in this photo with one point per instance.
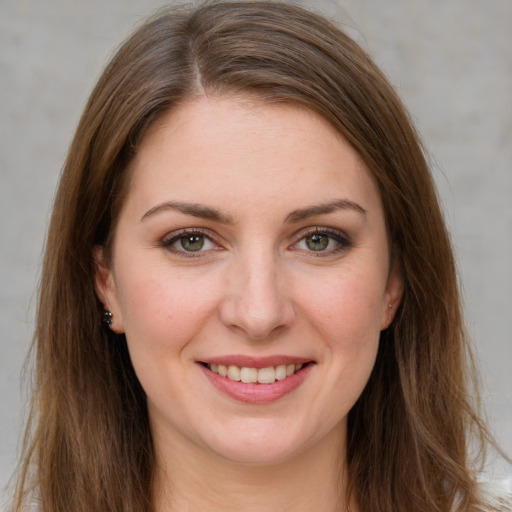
(256, 301)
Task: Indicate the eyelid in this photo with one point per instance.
(174, 235)
(169, 239)
(343, 240)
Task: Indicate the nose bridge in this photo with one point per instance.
(256, 301)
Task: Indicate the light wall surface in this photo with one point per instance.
(451, 62)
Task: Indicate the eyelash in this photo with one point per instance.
(341, 239)
(169, 240)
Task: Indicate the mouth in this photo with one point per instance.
(251, 375)
(257, 380)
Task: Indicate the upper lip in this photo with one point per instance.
(255, 362)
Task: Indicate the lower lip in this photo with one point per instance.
(257, 393)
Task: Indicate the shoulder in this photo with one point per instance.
(496, 494)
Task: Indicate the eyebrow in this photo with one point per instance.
(206, 212)
(322, 209)
(196, 210)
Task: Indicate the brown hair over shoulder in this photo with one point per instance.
(89, 445)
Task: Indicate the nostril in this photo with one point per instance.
(255, 300)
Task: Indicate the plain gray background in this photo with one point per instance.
(451, 62)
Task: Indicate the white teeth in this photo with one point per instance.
(234, 373)
(267, 375)
(248, 375)
(281, 372)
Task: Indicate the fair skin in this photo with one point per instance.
(252, 236)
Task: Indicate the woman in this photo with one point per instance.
(249, 297)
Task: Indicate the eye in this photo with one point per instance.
(191, 242)
(186, 243)
(323, 242)
(318, 242)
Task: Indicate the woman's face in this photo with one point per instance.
(252, 241)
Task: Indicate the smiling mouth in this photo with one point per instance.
(247, 375)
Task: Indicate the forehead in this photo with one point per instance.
(217, 150)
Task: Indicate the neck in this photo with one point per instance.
(189, 479)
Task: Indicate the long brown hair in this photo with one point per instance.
(88, 446)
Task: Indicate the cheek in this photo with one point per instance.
(163, 315)
(346, 315)
(346, 306)
(163, 309)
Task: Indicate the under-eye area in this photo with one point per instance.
(248, 375)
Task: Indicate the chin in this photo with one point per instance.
(260, 455)
(260, 445)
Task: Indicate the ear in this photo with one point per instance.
(106, 290)
(393, 294)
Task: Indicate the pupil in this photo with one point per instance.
(192, 242)
(317, 242)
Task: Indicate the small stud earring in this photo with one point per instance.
(390, 306)
(107, 318)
